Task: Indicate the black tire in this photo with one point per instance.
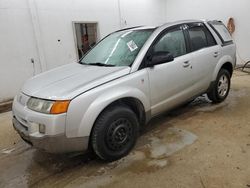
(220, 89)
(115, 133)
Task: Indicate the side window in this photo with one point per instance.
(172, 42)
(200, 37)
(210, 39)
(221, 31)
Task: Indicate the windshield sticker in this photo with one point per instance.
(132, 46)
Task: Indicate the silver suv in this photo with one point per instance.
(129, 77)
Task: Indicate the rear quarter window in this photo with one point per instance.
(221, 31)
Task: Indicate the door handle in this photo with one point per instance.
(186, 64)
(216, 54)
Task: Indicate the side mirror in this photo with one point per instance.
(160, 58)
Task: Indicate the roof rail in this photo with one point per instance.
(129, 28)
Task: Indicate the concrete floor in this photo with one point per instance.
(197, 146)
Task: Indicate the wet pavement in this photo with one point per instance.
(197, 145)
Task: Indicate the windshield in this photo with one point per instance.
(118, 49)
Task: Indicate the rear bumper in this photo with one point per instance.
(52, 144)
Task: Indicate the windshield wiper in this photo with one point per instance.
(100, 64)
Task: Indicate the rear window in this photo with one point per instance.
(222, 31)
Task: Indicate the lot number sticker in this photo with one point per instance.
(132, 46)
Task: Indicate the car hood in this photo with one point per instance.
(70, 80)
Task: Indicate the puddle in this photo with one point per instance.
(164, 146)
(202, 104)
(154, 155)
(158, 163)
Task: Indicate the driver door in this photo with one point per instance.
(171, 82)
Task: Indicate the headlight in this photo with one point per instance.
(47, 106)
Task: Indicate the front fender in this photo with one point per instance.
(104, 100)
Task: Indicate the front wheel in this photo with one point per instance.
(221, 87)
(115, 133)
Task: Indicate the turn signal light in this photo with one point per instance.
(59, 107)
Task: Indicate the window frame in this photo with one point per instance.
(206, 32)
(158, 38)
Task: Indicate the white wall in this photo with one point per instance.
(219, 10)
(32, 28)
(17, 46)
(56, 24)
(142, 12)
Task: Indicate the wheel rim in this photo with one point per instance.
(119, 134)
(223, 85)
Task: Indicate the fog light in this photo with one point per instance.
(42, 128)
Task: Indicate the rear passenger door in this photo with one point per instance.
(205, 54)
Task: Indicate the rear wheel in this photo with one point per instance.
(221, 87)
(115, 133)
